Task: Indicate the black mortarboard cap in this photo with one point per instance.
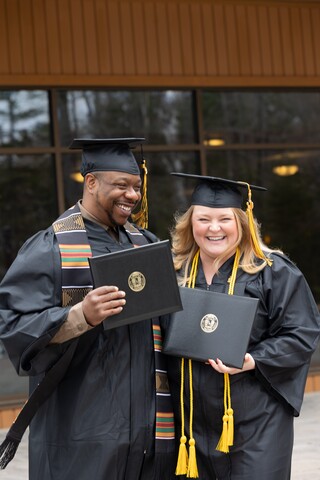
(108, 154)
(217, 192)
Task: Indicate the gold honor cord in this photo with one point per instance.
(182, 463)
(188, 465)
(226, 439)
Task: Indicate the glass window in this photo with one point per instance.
(72, 178)
(24, 118)
(27, 204)
(231, 117)
(165, 194)
(28, 201)
(162, 117)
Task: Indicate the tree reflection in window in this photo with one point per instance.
(242, 117)
(162, 117)
(24, 118)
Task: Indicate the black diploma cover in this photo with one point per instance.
(147, 276)
(211, 325)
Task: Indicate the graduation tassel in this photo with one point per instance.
(141, 218)
(182, 463)
(253, 231)
(192, 465)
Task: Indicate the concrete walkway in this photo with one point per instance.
(306, 452)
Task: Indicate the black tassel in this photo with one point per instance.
(8, 450)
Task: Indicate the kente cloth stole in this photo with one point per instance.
(74, 248)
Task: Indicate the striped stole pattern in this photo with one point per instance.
(74, 252)
(73, 256)
(164, 415)
(164, 411)
(74, 248)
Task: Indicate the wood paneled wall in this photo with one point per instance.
(159, 43)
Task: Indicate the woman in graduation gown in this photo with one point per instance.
(255, 405)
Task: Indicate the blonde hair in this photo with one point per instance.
(184, 246)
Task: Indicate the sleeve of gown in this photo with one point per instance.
(283, 356)
(30, 306)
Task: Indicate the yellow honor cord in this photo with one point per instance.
(192, 464)
(182, 464)
(187, 464)
(226, 439)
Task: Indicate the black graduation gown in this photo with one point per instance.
(265, 401)
(99, 422)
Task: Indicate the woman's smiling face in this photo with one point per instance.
(214, 229)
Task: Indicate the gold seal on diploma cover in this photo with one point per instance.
(136, 281)
(209, 323)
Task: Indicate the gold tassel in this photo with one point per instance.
(187, 464)
(223, 442)
(227, 428)
(226, 439)
(255, 243)
(230, 427)
(141, 218)
(182, 463)
(192, 466)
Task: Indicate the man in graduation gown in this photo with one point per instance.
(99, 421)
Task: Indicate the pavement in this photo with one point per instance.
(306, 450)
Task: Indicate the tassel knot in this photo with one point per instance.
(230, 427)
(192, 465)
(223, 442)
(182, 463)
